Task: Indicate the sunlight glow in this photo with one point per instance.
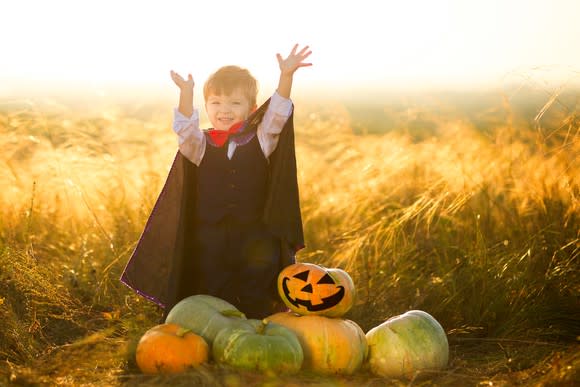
(415, 42)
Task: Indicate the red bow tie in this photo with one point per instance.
(220, 137)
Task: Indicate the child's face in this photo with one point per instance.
(225, 110)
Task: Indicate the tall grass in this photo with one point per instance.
(480, 231)
(478, 226)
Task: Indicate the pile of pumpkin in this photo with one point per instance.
(312, 336)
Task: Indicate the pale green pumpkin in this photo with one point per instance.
(205, 315)
(263, 346)
(407, 343)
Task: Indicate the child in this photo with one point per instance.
(228, 217)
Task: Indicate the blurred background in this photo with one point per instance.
(437, 145)
(100, 47)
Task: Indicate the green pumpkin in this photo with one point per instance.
(205, 315)
(407, 343)
(263, 346)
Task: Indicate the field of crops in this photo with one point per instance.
(466, 206)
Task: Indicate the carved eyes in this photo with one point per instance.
(303, 276)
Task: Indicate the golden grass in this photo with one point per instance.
(479, 226)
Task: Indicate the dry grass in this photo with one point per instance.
(471, 217)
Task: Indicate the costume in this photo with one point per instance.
(167, 247)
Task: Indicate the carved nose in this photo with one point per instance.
(307, 288)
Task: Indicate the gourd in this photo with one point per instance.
(407, 343)
(205, 315)
(262, 346)
(169, 348)
(310, 289)
(330, 345)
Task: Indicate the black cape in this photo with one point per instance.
(154, 269)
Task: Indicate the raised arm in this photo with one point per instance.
(186, 93)
(288, 66)
(186, 121)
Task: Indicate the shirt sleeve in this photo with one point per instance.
(273, 122)
(191, 139)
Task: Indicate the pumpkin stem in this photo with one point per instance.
(233, 313)
(263, 324)
(182, 331)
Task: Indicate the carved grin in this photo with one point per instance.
(327, 302)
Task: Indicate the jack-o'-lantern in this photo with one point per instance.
(310, 289)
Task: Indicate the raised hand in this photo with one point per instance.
(294, 61)
(182, 83)
(186, 93)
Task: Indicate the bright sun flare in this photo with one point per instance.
(355, 43)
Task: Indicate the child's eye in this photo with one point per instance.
(237, 103)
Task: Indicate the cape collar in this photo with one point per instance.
(241, 132)
(218, 138)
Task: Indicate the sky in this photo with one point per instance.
(382, 44)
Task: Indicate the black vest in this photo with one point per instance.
(235, 187)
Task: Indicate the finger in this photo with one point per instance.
(301, 52)
(304, 56)
(279, 57)
(189, 77)
(304, 64)
(293, 52)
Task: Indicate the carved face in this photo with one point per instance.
(311, 289)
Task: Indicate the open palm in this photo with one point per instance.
(295, 60)
(181, 82)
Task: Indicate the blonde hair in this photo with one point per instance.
(228, 78)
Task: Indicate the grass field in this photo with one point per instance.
(466, 206)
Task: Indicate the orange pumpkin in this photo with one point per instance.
(310, 289)
(330, 345)
(169, 348)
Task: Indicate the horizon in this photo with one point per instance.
(412, 46)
